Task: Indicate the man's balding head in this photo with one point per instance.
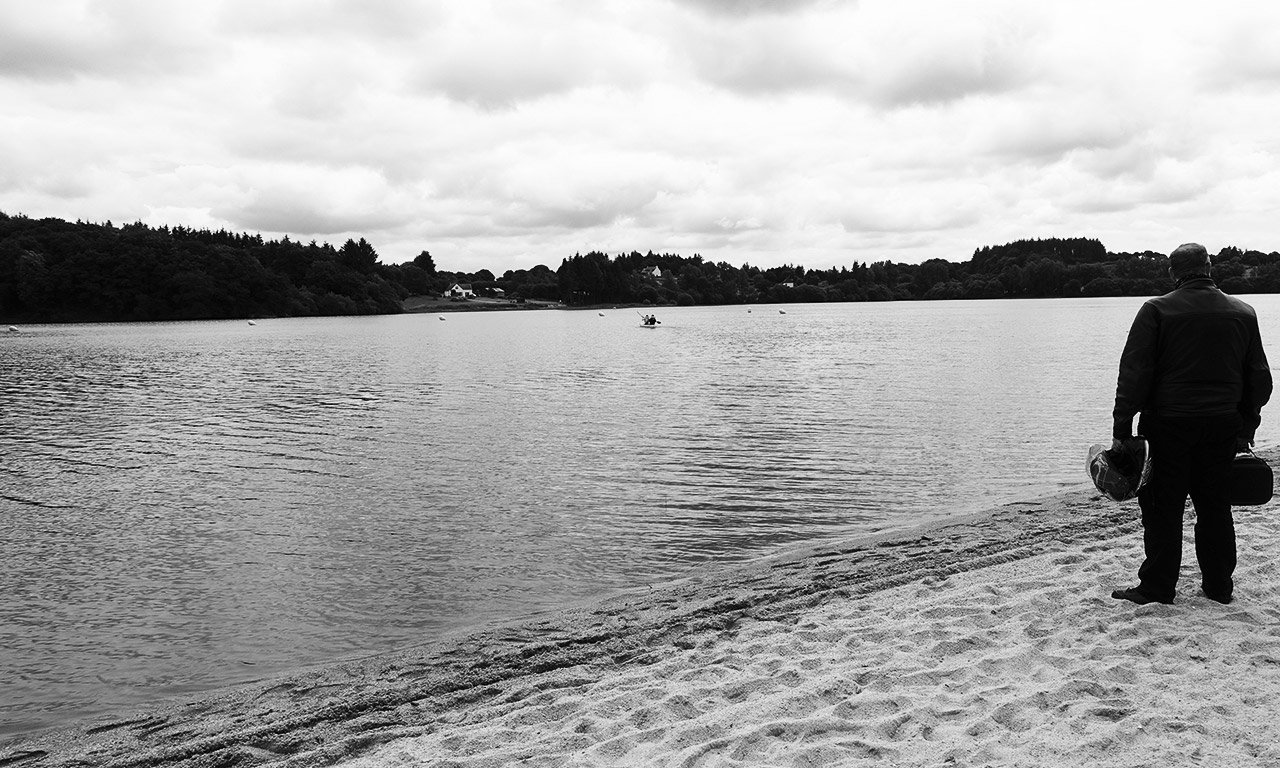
(1187, 260)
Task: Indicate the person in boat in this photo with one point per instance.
(650, 320)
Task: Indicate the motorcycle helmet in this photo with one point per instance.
(1120, 472)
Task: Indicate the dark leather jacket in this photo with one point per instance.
(1193, 352)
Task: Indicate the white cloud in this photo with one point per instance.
(498, 55)
(741, 8)
(324, 203)
(66, 39)
(504, 133)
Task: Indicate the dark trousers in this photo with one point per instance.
(1189, 457)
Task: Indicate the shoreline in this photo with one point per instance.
(333, 713)
(423, 304)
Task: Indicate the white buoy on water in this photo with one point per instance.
(252, 323)
(782, 312)
(13, 329)
(442, 317)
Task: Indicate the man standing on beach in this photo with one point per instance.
(1193, 365)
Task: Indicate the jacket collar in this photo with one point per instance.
(1195, 281)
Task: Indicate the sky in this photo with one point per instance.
(502, 134)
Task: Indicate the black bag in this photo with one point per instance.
(1251, 480)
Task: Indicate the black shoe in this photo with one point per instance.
(1134, 595)
(1217, 597)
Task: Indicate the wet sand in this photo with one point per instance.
(991, 640)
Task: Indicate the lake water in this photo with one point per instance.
(189, 505)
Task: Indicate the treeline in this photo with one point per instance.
(57, 271)
(1048, 268)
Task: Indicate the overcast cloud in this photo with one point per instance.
(509, 133)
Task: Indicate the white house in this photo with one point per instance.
(459, 291)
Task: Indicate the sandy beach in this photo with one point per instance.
(990, 641)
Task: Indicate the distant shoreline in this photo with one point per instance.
(421, 304)
(416, 304)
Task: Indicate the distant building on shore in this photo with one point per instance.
(459, 291)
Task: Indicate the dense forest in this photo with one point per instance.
(57, 271)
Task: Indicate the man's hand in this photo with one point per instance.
(1118, 443)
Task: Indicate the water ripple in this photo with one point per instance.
(185, 505)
